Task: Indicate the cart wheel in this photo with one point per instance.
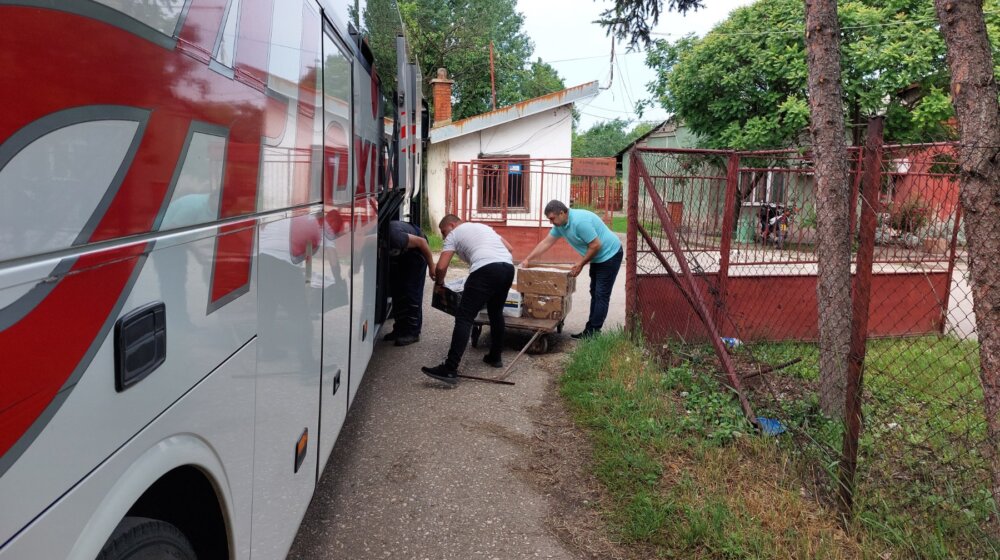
(477, 331)
(539, 346)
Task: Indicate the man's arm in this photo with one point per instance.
(543, 245)
(442, 267)
(507, 245)
(420, 244)
(593, 248)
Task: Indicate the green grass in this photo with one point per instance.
(619, 224)
(435, 242)
(684, 476)
(922, 481)
(687, 478)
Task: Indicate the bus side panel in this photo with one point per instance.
(88, 418)
(290, 286)
(219, 410)
(338, 196)
(288, 370)
(367, 130)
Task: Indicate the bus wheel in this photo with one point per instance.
(141, 538)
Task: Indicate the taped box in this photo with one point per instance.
(546, 307)
(547, 281)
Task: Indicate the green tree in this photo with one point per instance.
(607, 138)
(538, 79)
(743, 85)
(456, 35)
(973, 60)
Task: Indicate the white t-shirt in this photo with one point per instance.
(478, 245)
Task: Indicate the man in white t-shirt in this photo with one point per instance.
(491, 273)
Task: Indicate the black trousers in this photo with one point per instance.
(407, 285)
(487, 286)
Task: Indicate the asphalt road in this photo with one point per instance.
(425, 471)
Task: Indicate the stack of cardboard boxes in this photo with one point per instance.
(546, 293)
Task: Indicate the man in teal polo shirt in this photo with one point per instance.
(597, 245)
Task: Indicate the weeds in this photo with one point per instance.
(688, 477)
(683, 475)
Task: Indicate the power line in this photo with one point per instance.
(589, 57)
(626, 86)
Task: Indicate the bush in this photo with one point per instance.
(909, 216)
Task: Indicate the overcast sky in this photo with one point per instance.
(566, 38)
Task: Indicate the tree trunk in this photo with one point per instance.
(974, 95)
(833, 290)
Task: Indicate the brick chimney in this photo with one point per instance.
(441, 90)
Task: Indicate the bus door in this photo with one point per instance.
(337, 206)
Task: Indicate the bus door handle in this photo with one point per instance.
(140, 344)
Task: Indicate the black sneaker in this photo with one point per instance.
(442, 373)
(496, 362)
(391, 336)
(407, 339)
(584, 334)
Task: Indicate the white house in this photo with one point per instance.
(502, 166)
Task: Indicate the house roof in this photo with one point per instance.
(641, 138)
(513, 112)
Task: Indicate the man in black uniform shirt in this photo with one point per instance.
(411, 259)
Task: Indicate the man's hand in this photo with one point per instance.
(524, 264)
(439, 288)
(575, 271)
(430, 272)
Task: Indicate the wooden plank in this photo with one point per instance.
(530, 323)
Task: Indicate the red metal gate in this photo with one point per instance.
(747, 221)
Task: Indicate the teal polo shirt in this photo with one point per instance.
(583, 227)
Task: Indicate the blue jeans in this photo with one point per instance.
(602, 281)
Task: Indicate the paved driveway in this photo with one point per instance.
(424, 471)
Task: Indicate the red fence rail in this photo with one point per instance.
(515, 191)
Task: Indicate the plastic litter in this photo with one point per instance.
(770, 426)
(732, 342)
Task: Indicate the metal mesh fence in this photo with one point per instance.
(745, 224)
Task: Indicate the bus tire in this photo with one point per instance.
(142, 538)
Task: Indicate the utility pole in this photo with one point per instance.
(493, 84)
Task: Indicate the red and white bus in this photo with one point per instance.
(191, 199)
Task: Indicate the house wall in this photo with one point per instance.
(670, 135)
(545, 135)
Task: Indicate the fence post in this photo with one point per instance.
(449, 196)
(631, 246)
(469, 169)
(861, 300)
(541, 197)
(855, 188)
(728, 217)
(952, 255)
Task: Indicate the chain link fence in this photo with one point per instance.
(889, 419)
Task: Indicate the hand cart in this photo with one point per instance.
(538, 344)
(542, 330)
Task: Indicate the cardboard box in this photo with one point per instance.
(547, 281)
(546, 307)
